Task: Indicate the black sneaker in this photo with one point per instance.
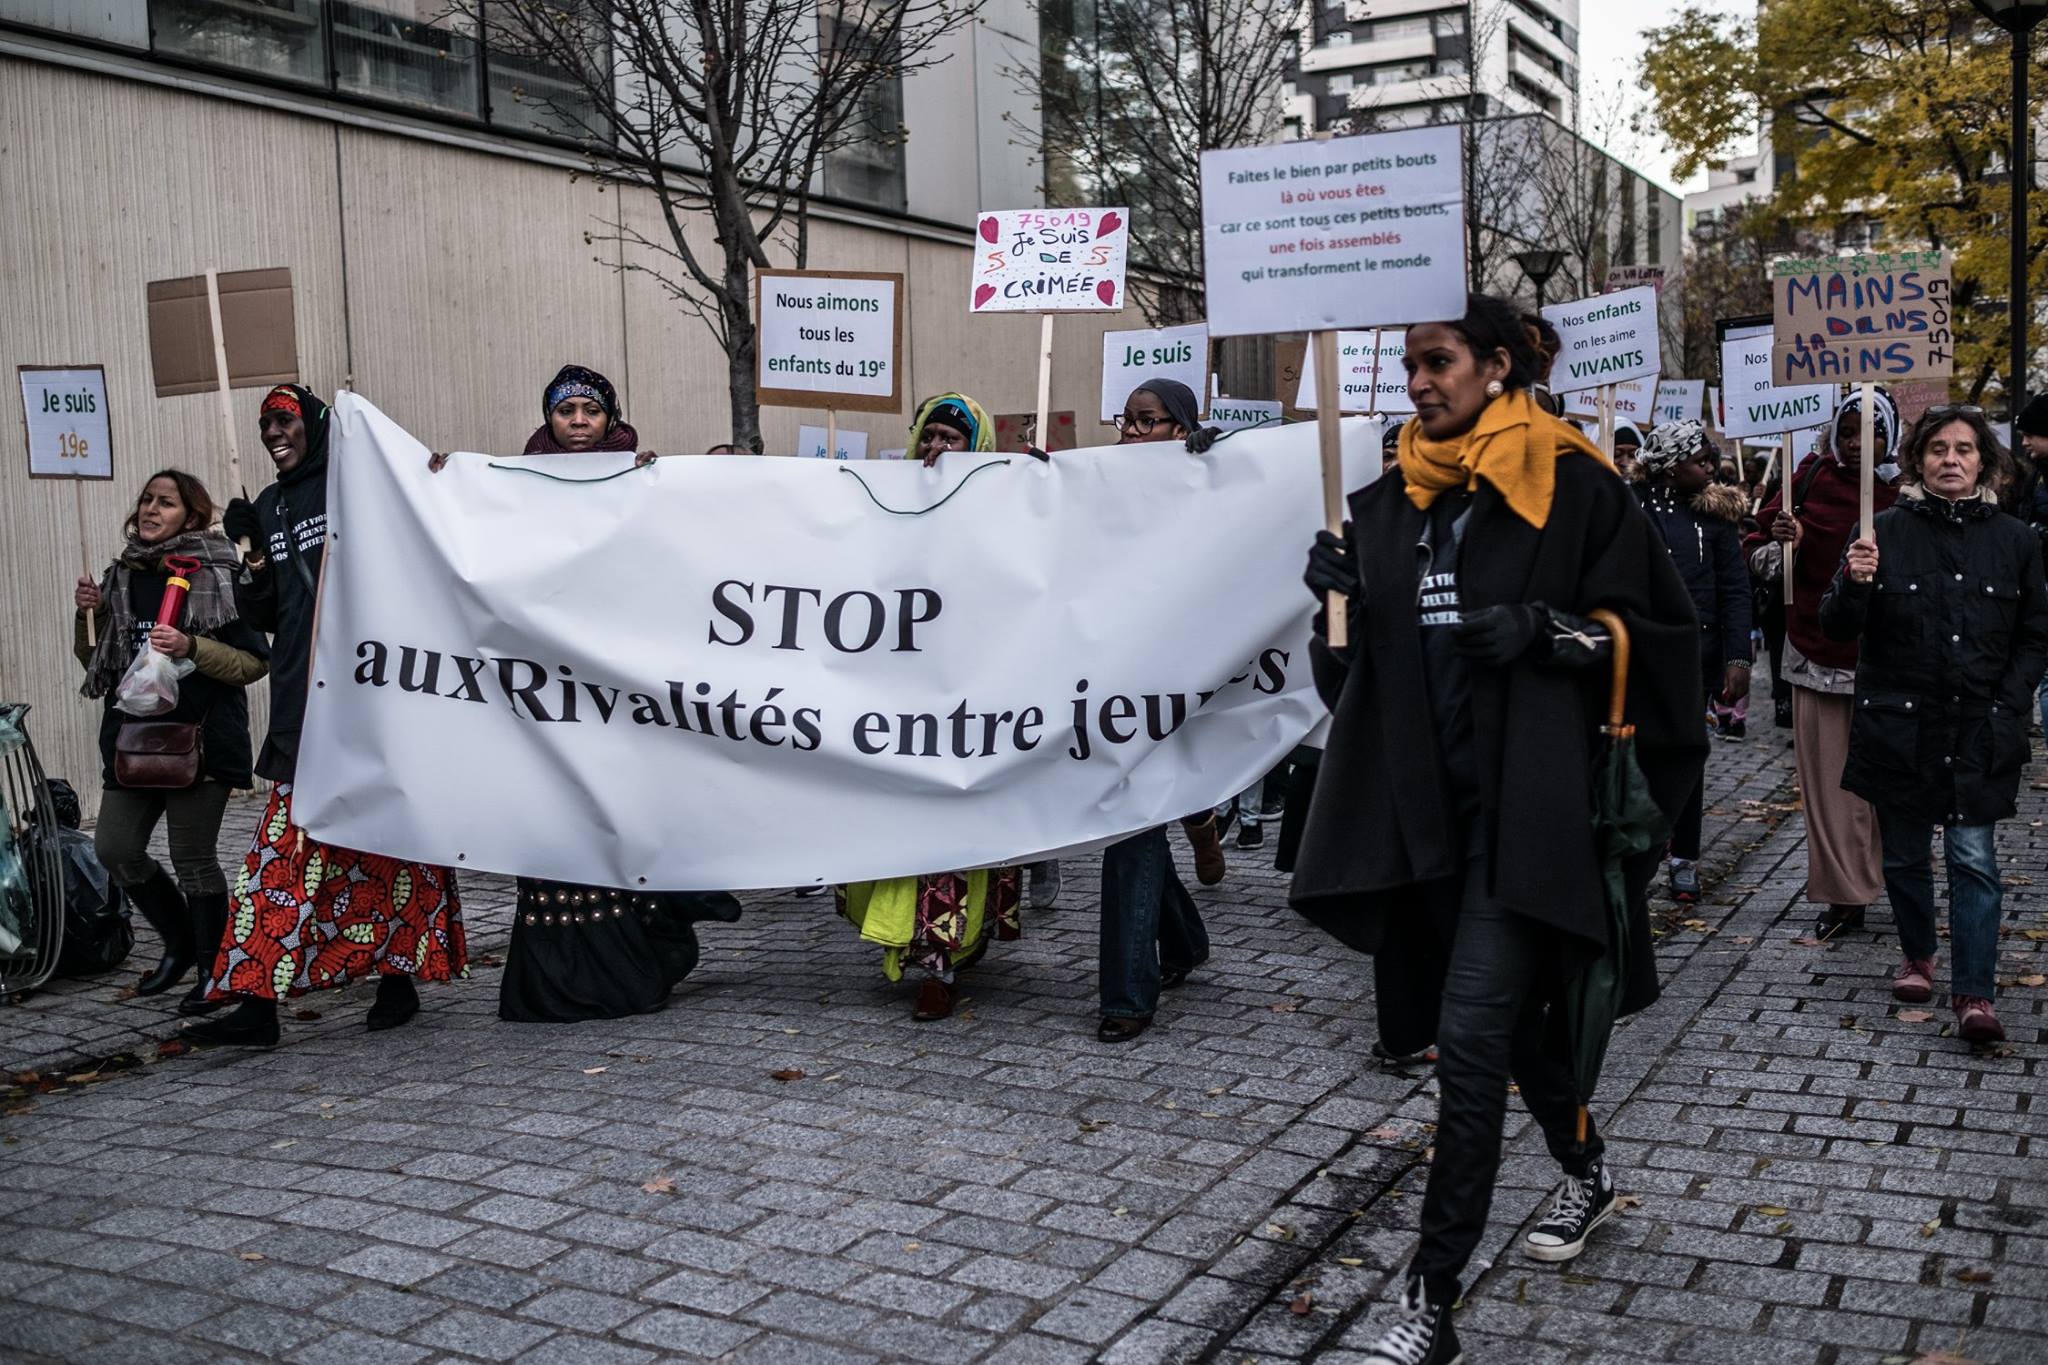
(1421, 1335)
(1685, 882)
(1581, 1204)
(1836, 919)
(1250, 834)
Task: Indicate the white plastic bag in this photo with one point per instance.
(150, 686)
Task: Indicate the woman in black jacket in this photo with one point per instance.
(1698, 521)
(1451, 825)
(1949, 604)
(173, 518)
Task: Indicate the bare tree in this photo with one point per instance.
(1133, 93)
(727, 110)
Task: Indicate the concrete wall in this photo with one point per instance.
(449, 282)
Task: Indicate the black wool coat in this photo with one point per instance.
(1954, 635)
(1380, 839)
(280, 598)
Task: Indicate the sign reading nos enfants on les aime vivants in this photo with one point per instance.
(1881, 317)
(1605, 339)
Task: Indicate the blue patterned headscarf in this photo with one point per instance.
(574, 381)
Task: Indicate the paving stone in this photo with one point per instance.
(486, 1335)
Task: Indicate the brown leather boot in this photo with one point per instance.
(1208, 846)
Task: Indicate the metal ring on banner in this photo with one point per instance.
(900, 512)
(543, 474)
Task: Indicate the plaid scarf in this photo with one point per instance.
(209, 605)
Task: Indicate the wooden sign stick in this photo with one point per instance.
(92, 636)
(831, 433)
(1866, 474)
(1328, 421)
(1785, 502)
(1040, 432)
(227, 408)
(1607, 419)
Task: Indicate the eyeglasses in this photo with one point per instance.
(1143, 426)
(1954, 410)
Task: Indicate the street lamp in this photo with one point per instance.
(2018, 18)
(1539, 266)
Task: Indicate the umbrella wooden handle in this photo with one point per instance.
(1617, 694)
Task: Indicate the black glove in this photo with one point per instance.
(239, 523)
(1331, 567)
(1202, 438)
(1572, 641)
(1497, 636)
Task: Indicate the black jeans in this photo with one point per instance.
(1685, 830)
(1149, 924)
(1493, 1026)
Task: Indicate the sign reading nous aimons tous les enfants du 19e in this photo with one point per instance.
(1754, 405)
(1883, 317)
(1605, 339)
(1131, 358)
(1348, 232)
(1370, 375)
(1050, 261)
(829, 340)
(70, 434)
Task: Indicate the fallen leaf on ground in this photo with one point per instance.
(1301, 1305)
(1744, 940)
(1809, 941)
(660, 1184)
(1385, 1130)
(1580, 1280)
(1974, 1276)
(25, 1077)
(1119, 1211)
(1521, 1291)
(2037, 935)
(283, 1143)
(1913, 1016)
(2033, 979)
(1285, 1007)
(173, 1047)
(1930, 1227)
(1349, 1260)
(254, 1256)
(912, 1246)
(1281, 1231)
(788, 1073)
(1214, 1090)
(595, 1070)
(126, 993)
(1628, 1201)
(1771, 1210)
(1784, 1229)
(81, 1077)
(1093, 1125)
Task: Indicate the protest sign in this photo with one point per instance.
(829, 339)
(1051, 261)
(70, 436)
(1620, 277)
(1017, 431)
(820, 443)
(1605, 339)
(1635, 400)
(1679, 400)
(1345, 232)
(1131, 358)
(1370, 377)
(818, 676)
(1754, 405)
(1879, 317)
(1235, 414)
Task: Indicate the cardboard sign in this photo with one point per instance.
(829, 339)
(1131, 358)
(1605, 339)
(1051, 261)
(70, 428)
(810, 443)
(1631, 276)
(256, 323)
(1235, 414)
(1753, 404)
(1635, 400)
(1013, 432)
(1344, 232)
(1882, 317)
(1373, 378)
(1679, 400)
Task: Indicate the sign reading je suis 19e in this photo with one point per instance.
(1877, 317)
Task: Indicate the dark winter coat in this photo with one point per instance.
(2029, 501)
(1705, 541)
(1828, 502)
(1954, 634)
(279, 598)
(1380, 834)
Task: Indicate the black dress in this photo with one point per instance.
(589, 952)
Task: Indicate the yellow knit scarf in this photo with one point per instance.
(1514, 446)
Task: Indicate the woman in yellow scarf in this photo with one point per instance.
(940, 923)
(1450, 834)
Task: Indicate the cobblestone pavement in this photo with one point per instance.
(1820, 1179)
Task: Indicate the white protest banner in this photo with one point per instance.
(70, 432)
(1635, 400)
(1605, 339)
(1131, 358)
(1051, 261)
(851, 445)
(1372, 378)
(829, 340)
(1679, 400)
(1345, 232)
(1879, 318)
(1752, 404)
(820, 690)
(1235, 414)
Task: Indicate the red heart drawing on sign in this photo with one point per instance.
(1110, 223)
(988, 231)
(983, 293)
(1106, 291)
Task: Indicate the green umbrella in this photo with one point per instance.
(1626, 823)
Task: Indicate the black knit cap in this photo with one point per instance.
(2033, 418)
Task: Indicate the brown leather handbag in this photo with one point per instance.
(158, 753)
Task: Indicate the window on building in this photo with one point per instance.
(540, 91)
(409, 53)
(282, 39)
(1340, 84)
(1341, 38)
(1654, 222)
(868, 167)
(1450, 25)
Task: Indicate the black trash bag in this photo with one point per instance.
(97, 933)
(64, 803)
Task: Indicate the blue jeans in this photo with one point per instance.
(1976, 900)
(1149, 924)
(2041, 695)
